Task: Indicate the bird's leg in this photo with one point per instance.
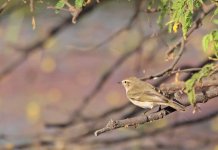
(159, 108)
(146, 111)
(156, 110)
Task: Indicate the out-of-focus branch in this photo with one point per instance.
(10, 67)
(3, 6)
(111, 125)
(128, 26)
(37, 45)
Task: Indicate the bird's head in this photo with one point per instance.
(130, 82)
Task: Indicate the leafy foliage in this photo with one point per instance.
(79, 3)
(181, 13)
(74, 7)
(215, 13)
(210, 41)
(59, 5)
(164, 7)
(189, 84)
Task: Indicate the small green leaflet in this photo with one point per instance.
(215, 13)
(215, 21)
(190, 84)
(59, 5)
(210, 41)
(79, 3)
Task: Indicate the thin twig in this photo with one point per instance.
(185, 70)
(171, 67)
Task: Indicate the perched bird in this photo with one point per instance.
(145, 95)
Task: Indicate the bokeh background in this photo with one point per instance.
(66, 87)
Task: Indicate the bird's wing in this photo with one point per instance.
(153, 96)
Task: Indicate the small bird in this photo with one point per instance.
(145, 95)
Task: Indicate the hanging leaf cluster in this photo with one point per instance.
(180, 13)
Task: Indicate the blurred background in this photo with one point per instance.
(59, 82)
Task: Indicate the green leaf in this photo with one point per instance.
(211, 40)
(164, 8)
(79, 3)
(190, 4)
(205, 42)
(215, 12)
(186, 23)
(215, 21)
(180, 12)
(198, 3)
(190, 84)
(59, 5)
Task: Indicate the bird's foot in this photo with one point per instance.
(146, 111)
(155, 110)
(159, 108)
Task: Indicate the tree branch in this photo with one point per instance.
(155, 132)
(111, 125)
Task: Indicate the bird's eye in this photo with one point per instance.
(125, 82)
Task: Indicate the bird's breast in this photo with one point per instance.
(143, 104)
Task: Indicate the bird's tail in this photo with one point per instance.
(176, 105)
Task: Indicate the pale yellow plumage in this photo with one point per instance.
(145, 95)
